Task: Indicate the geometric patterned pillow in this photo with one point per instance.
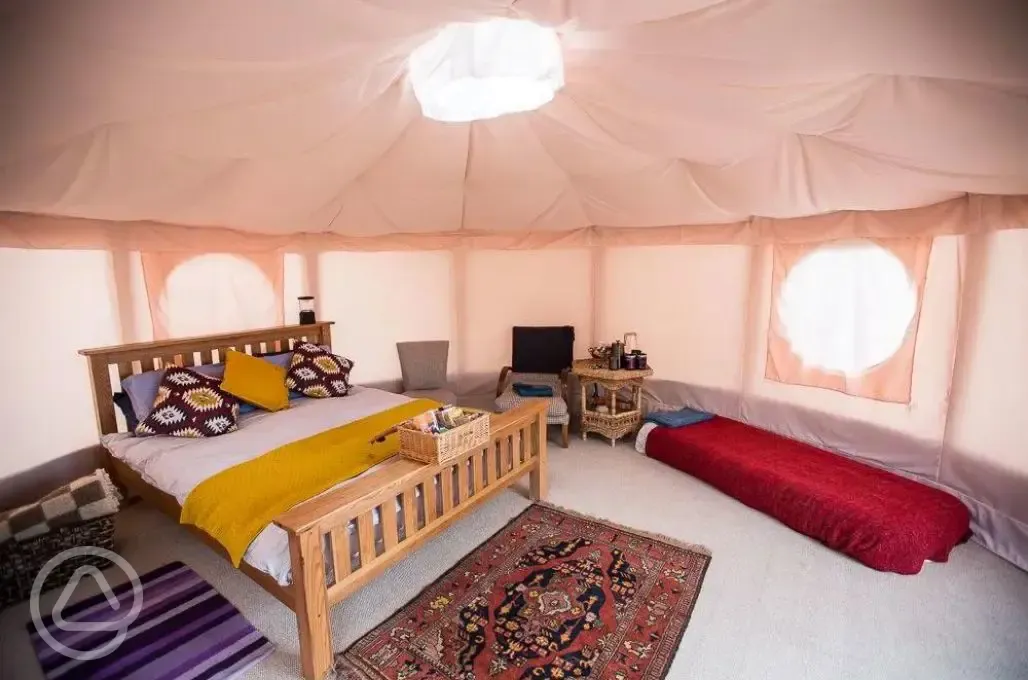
(190, 404)
(316, 372)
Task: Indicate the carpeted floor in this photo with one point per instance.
(774, 604)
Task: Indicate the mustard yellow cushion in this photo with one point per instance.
(255, 381)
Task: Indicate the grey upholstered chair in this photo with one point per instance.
(423, 367)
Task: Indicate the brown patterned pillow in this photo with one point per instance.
(190, 404)
(316, 372)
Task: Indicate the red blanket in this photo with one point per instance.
(888, 522)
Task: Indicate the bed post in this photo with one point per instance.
(538, 478)
(326, 333)
(103, 402)
(310, 598)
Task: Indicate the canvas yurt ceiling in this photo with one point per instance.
(256, 116)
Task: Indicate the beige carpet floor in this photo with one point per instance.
(775, 605)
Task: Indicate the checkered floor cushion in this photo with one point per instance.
(556, 413)
(84, 499)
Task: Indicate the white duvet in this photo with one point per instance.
(176, 466)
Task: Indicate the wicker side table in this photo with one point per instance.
(622, 416)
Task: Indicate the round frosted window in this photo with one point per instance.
(847, 308)
(217, 293)
(474, 71)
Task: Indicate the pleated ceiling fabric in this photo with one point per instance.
(261, 117)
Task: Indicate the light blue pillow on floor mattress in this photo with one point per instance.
(680, 418)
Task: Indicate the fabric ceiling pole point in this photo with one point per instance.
(481, 70)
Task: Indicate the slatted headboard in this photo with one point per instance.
(109, 365)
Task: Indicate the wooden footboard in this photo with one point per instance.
(412, 503)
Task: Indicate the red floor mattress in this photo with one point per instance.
(888, 522)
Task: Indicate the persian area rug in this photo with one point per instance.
(185, 629)
(552, 595)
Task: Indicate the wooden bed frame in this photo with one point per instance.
(517, 448)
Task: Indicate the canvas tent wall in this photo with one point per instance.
(170, 172)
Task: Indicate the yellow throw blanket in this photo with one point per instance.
(235, 505)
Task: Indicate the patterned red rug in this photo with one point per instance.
(552, 595)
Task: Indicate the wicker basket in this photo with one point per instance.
(439, 448)
(22, 560)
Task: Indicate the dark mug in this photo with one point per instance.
(640, 361)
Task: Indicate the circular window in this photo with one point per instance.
(474, 71)
(846, 308)
(217, 293)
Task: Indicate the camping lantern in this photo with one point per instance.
(306, 309)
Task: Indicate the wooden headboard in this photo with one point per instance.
(109, 365)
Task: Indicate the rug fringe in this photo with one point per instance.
(691, 547)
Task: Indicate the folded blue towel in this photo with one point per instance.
(529, 390)
(680, 418)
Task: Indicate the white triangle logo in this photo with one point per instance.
(105, 588)
(98, 610)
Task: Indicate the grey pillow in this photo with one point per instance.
(423, 364)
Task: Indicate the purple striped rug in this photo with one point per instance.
(185, 631)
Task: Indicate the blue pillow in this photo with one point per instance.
(529, 390)
(680, 418)
(142, 387)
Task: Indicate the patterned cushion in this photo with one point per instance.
(317, 373)
(557, 410)
(190, 404)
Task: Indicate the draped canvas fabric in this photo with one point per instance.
(256, 116)
(973, 214)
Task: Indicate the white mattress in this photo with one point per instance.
(177, 465)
